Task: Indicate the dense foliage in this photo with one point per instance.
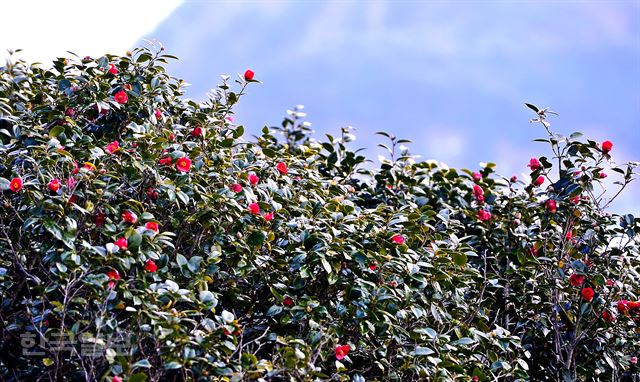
(142, 237)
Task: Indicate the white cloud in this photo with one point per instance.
(47, 29)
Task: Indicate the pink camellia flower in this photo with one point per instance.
(342, 351)
(16, 184)
(539, 180)
(70, 182)
(476, 176)
(229, 119)
(152, 226)
(236, 187)
(477, 191)
(575, 199)
(610, 282)
(514, 179)
(254, 208)
(633, 360)
(122, 243)
(172, 137)
(480, 199)
(183, 164)
(587, 294)
(397, 239)
(196, 132)
(248, 75)
(268, 216)
(576, 280)
(150, 266)
(112, 147)
(165, 161)
(129, 217)
(602, 175)
(607, 146)
(484, 215)
(70, 112)
(551, 205)
(54, 185)
(113, 69)
(253, 179)
(282, 168)
(288, 301)
(569, 235)
(158, 113)
(121, 97)
(608, 316)
(113, 276)
(534, 164)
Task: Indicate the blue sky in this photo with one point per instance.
(450, 76)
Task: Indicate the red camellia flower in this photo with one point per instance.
(575, 199)
(236, 187)
(122, 243)
(373, 266)
(172, 137)
(342, 351)
(183, 164)
(634, 305)
(602, 175)
(150, 266)
(288, 301)
(607, 146)
(268, 216)
(610, 282)
(476, 176)
(587, 294)
(129, 217)
(551, 205)
(165, 161)
(70, 112)
(152, 226)
(116, 379)
(622, 306)
(534, 164)
(254, 208)
(158, 113)
(253, 179)
(539, 180)
(99, 219)
(113, 69)
(15, 185)
(282, 167)
(196, 132)
(484, 215)
(121, 97)
(576, 280)
(113, 276)
(54, 185)
(397, 239)
(608, 316)
(248, 75)
(112, 147)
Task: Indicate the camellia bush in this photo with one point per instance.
(144, 238)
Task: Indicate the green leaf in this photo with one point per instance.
(532, 107)
(256, 238)
(459, 258)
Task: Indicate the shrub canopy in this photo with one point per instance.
(143, 237)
